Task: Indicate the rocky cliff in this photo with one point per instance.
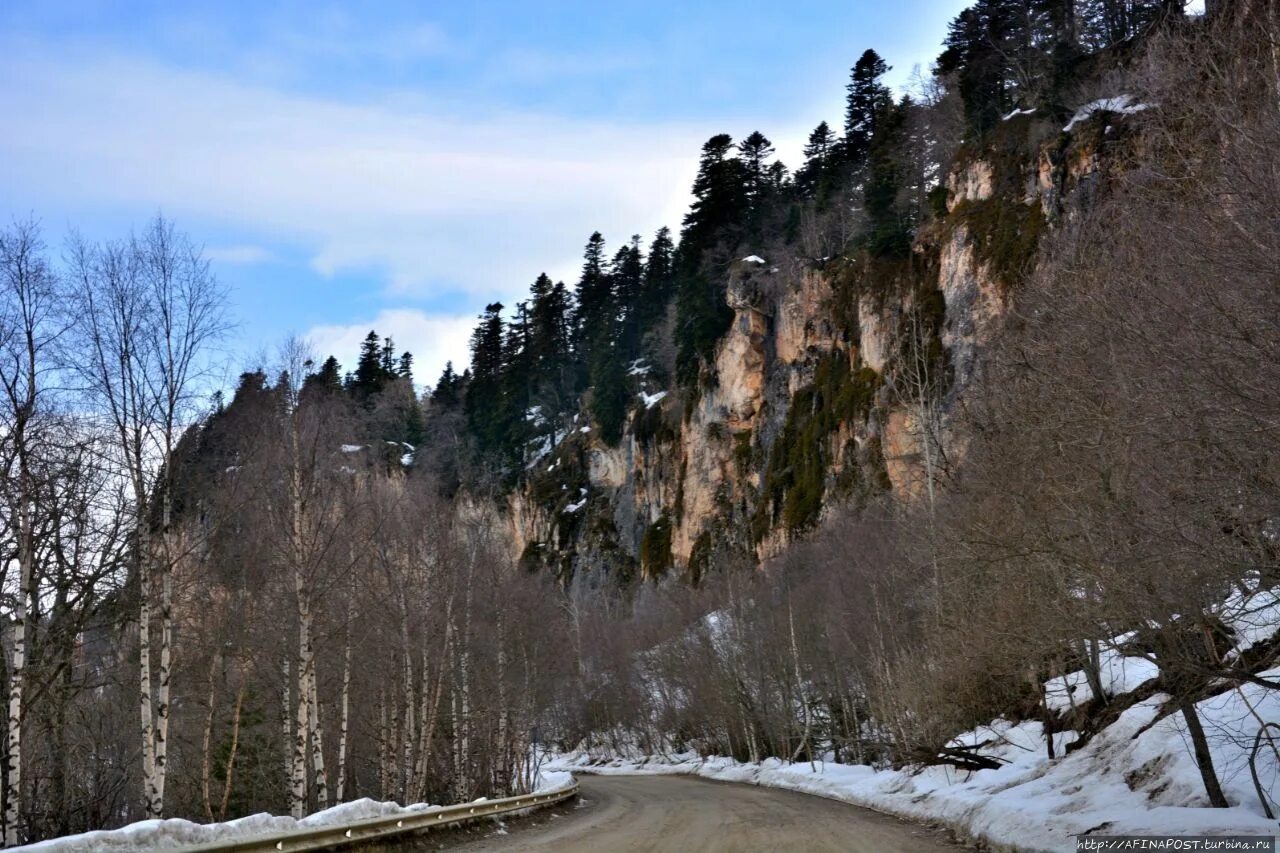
(836, 381)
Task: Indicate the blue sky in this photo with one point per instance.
(397, 165)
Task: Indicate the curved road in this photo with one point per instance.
(661, 813)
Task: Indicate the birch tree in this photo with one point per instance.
(149, 310)
(29, 331)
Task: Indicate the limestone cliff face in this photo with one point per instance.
(813, 395)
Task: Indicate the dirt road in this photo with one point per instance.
(680, 813)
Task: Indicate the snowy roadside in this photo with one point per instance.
(175, 833)
(1135, 777)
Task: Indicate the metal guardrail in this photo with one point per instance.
(325, 837)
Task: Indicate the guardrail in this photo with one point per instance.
(325, 837)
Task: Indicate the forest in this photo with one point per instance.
(300, 588)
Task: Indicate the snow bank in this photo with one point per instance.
(155, 835)
(1122, 104)
(1136, 777)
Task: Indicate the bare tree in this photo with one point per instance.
(149, 310)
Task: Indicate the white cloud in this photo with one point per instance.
(432, 338)
(429, 198)
(237, 255)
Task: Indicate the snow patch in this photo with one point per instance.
(651, 400)
(1122, 104)
(754, 259)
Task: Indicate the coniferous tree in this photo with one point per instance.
(328, 379)
(595, 294)
(720, 198)
(659, 282)
(867, 100)
(889, 227)
(755, 152)
(627, 273)
(448, 389)
(817, 178)
(609, 390)
(720, 202)
(517, 374)
(486, 412)
(369, 374)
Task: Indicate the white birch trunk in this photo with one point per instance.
(302, 722)
(286, 719)
(26, 560)
(317, 741)
(344, 718)
(162, 703)
(151, 795)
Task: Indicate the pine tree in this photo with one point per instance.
(890, 223)
(817, 178)
(595, 294)
(327, 380)
(867, 100)
(487, 414)
(609, 391)
(448, 390)
(405, 369)
(370, 375)
(720, 199)
(659, 282)
(627, 273)
(755, 151)
(713, 221)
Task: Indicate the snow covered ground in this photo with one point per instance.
(174, 833)
(1138, 776)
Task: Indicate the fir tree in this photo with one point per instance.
(659, 282)
(595, 295)
(889, 223)
(720, 201)
(448, 389)
(487, 414)
(627, 273)
(609, 391)
(369, 375)
(817, 178)
(867, 100)
(327, 380)
(755, 151)
(720, 198)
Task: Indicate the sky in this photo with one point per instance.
(398, 165)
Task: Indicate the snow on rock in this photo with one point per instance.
(639, 367)
(352, 448)
(574, 507)
(1136, 777)
(584, 429)
(538, 450)
(1122, 104)
(651, 400)
(1023, 112)
(754, 259)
